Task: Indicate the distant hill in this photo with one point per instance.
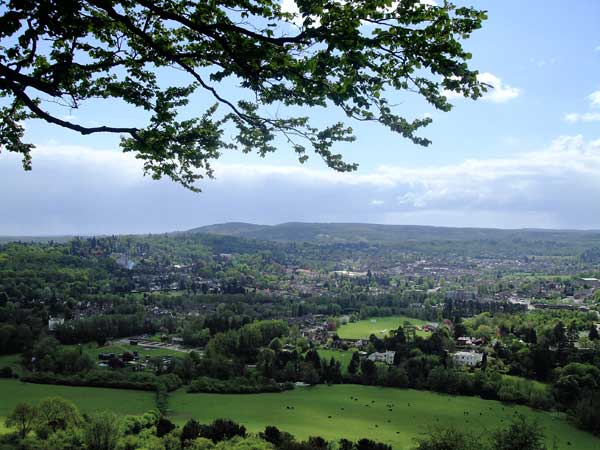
(230, 229)
(36, 239)
(387, 234)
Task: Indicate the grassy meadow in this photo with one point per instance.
(88, 399)
(394, 416)
(13, 361)
(379, 326)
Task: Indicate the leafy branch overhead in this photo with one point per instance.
(351, 55)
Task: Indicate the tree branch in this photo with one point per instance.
(20, 94)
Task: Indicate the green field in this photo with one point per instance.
(343, 357)
(394, 416)
(12, 361)
(330, 412)
(120, 401)
(379, 326)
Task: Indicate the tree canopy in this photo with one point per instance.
(353, 55)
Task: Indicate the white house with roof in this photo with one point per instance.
(54, 323)
(590, 281)
(385, 357)
(470, 359)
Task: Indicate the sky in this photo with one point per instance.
(527, 155)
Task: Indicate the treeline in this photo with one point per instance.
(143, 381)
(237, 385)
(100, 327)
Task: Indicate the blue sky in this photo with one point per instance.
(528, 155)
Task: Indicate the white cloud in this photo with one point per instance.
(584, 117)
(76, 189)
(290, 6)
(594, 98)
(498, 92)
(544, 62)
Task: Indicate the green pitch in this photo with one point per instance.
(379, 326)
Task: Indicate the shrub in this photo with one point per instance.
(238, 385)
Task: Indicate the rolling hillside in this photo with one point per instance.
(392, 234)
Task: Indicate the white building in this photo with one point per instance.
(386, 357)
(54, 323)
(470, 359)
(592, 282)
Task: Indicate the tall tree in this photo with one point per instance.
(101, 432)
(521, 434)
(55, 413)
(354, 364)
(23, 418)
(593, 334)
(355, 56)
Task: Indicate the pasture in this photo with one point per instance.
(394, 416)
(88, 399)
(379, 326)
(13, 361)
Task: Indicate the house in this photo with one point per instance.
(344, 319)
(54, 323)
(590, 281)
(385, 357)
(466, 341)
(430, 327)
(360, 343)
(470, 359)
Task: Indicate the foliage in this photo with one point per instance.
(23, 417)
(55, 413)
(238, 385)
(164, 426)
(111, 379)
(449, 439)
(101, 432)
(222, 429)
(349, 56)
(190, 431)
(521, 434)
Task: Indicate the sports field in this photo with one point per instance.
(394, 416)
(88, 399)
(379, 326)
